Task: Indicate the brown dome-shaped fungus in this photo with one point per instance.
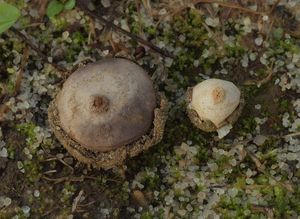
(214, 104)
(107, 111)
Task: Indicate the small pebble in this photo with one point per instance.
(213, 22)
(26, 209)
(105, 3)
(291, 156)
(257, 106)
(265, 18)
(3, 152)
(258, 41)
(223, 131)
(36, 193)
(181, 212)
(259, 140)
(139, 198)
(4, 201)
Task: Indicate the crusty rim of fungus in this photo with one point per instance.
(207, 125)
(113, 158)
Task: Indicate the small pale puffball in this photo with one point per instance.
(215, 100)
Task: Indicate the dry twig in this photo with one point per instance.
(37, 50)
(274, 6)
(264, 80)
(67, 178)
(264, 209)
(49, 212)
(50, 172)
(21, 71)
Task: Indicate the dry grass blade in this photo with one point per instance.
(3, 109)
(42, 8)
(295, 134)
(76, 201)
(87, 204)
(255, 159)
(49, 172)
(49, 212)
(218, 40)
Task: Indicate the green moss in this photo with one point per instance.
(67, 192)
(28, 130)
(33, 170)
(281, 201)
(114, 189)
(59, 22)
(45, 36)
(78, 38)
(132, 13)
(262, 180)
(146, 215)
(280, 46)
(233, 207)
(240, 182)
(202, 154)
(10, 150)
(249, 124)
(18, 46)
(277, 33)
(150, 30)
(190, 25)
(184, 60)
(70, 55)
(151, 182)
(10, 87)
(234, 51)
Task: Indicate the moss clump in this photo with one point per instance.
(59, 22)
(28, 130)
(248, 124)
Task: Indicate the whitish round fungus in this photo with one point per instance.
(214, 105)
(107, 111)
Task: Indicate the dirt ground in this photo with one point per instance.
(252, 172)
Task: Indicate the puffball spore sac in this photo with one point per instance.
(107, 104)
(107, 111)
(214, 103)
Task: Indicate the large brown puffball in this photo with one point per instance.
(105, 106)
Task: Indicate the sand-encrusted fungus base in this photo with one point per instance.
(207, 125)
(114, 158)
